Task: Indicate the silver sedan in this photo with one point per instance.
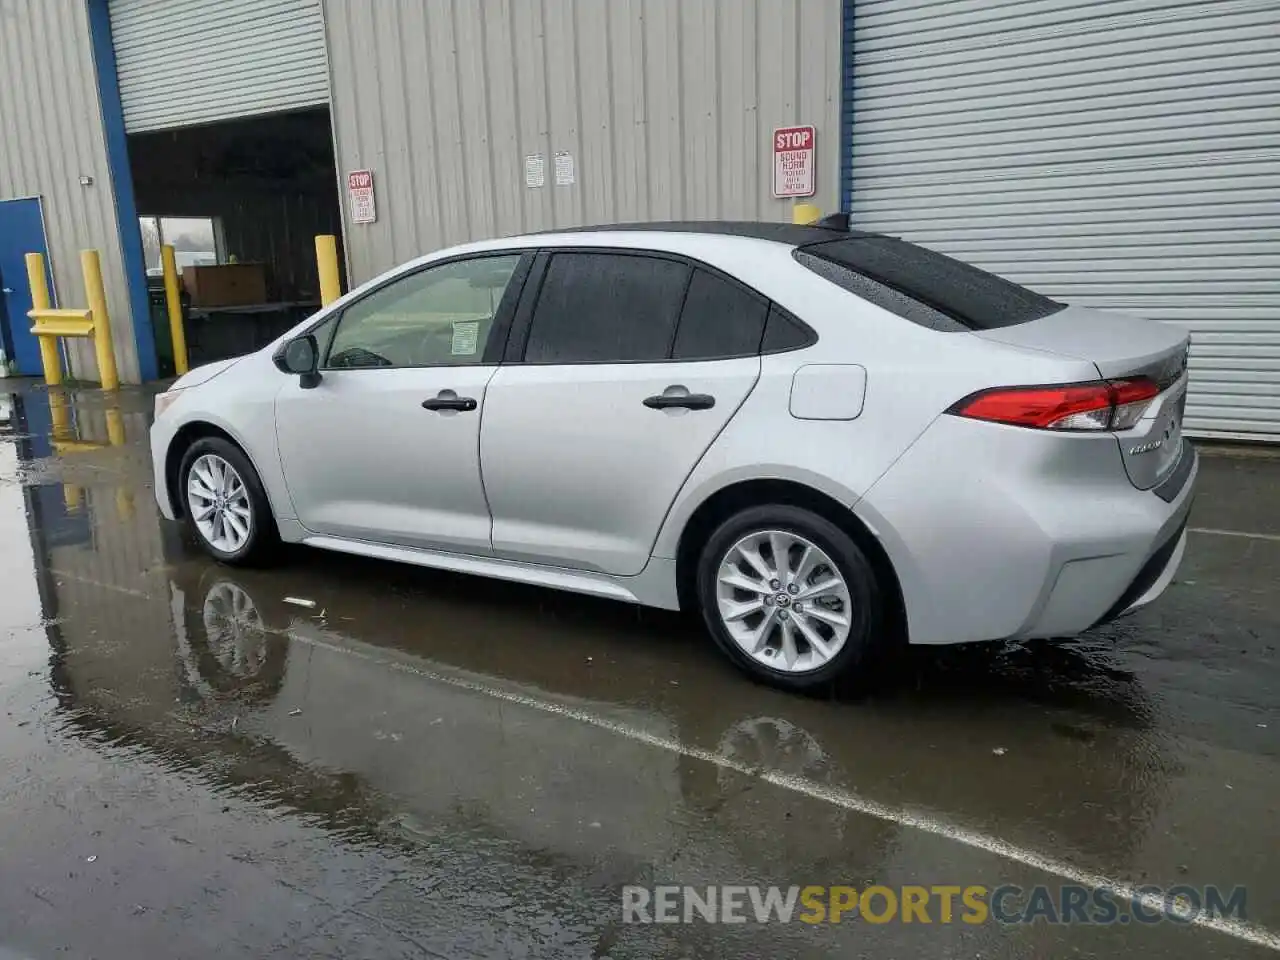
(819, 439)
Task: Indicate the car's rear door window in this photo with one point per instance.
(605, 307)
(967, 296)
(720, 319)
(783, 333)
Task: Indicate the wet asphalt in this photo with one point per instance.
(427, 765)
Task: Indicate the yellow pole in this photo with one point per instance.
(805, 213)
(59, 413)
(115, 427)
(102, 344)
(327, 261)
(176, 332)
(72, 496)
(40, 301)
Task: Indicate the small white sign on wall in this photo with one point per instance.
(793, 161)
(360, 193)
(535, 170)
(564, 168)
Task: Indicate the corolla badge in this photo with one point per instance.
(1170, 431)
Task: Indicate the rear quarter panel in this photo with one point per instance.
(980, 518)
(912, 376)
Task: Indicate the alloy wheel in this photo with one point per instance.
(784, 601)
(219, 503)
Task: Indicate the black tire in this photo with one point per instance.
(865, 611)
(263, 542)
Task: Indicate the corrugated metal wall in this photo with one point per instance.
(52, 134)
(1114, 153)
(666, 106)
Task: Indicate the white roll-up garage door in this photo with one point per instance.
(1116, 153)
(182, 62)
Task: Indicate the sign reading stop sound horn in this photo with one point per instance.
(360, 194)
(793, 161)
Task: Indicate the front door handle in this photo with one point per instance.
(689, 401)
(448, 400)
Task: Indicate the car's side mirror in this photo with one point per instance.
(300, 355)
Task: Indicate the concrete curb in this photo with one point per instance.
(1237, 450)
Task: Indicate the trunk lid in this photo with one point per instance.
(1121, 346)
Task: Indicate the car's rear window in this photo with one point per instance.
(956, 295)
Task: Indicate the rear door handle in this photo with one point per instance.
(448, 400)
(690, 401)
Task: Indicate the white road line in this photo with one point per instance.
(65, 575)
(836, 796)
(1213, 531)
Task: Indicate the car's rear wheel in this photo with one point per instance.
(225, 507)
(788, 596)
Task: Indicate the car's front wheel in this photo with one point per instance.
(788, 596)
(225, 507)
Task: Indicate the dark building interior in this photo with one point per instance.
(264, 187)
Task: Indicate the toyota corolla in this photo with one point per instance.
(821, 440)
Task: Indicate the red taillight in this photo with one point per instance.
(1104, 405)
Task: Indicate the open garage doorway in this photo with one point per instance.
(241, 201)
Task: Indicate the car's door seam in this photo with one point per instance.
(675, 498)
(484, 492)
(284, 473)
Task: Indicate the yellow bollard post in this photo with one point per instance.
(327, 262)
(115, 427)
(59, 413)
(49, 357)
(102, 344)
(803, 213)
(73, 496)
(177, 333)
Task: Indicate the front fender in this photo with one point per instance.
(237, 404)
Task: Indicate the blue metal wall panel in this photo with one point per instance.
(135, 271)
(848, 13)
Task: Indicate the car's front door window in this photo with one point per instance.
(440, 316)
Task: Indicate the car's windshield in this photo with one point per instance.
(971, 297)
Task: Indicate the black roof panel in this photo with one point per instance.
(788, 233)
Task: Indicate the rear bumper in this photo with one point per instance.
(1152, 580)
(1160, 567)
(1002, 533)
